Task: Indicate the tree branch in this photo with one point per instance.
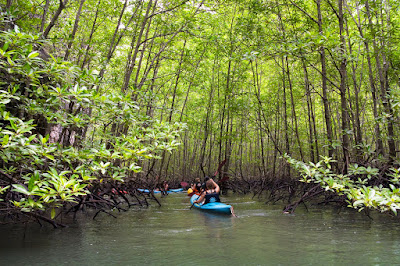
(167, 10)
(302, 10)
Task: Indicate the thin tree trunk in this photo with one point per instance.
(358, 132)
(379, 142)
(90, 36)
(44, 16)
(74, 30)
(61, 7)
(177, 82)
(114, 42)
(144, 47)
(132, 60)
(310, 127)
(382, 72)
(294, 115)
(325, 101)
(258, 84)
(285, 118)
(343, 90)
(9, 4)
(191, 83)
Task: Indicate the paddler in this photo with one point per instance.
(211, 194)
(197, 186)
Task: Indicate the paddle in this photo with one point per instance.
(232, 212)
(192, 204)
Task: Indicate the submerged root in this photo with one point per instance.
(311, 193)
(289, 191)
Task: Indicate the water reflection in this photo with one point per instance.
(176, 235)
(215, 224)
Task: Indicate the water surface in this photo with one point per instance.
(174, 235)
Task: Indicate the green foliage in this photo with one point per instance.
(46, 173)
(354, 185)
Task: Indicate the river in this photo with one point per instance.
(175, 235)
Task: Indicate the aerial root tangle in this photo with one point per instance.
(314, 191)
(102, 198)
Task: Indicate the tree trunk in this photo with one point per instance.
(309, 112)
(382, 74)
(325, 101)
(85, 58)
(74, 30)
(114, 42)
(61, 7)
(132, 60)
(178, 74)
(357, 123)
(44, 16)
(343, 90)
(294, 115)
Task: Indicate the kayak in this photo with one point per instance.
(216, 207)
(174, 190)
(148, 191)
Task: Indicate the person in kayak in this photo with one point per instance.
(203, 185)
(211, 194)
(197, 186)
(164, 188)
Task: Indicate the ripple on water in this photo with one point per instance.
(170, 232)
(244, 203)
(250, 213)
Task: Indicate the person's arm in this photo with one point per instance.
(201, 198)
(216, 187)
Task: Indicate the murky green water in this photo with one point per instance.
(175, 235)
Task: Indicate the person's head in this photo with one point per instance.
(197, 180)
(206, 179)
(210, 184)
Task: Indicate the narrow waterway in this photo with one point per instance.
(174, 235)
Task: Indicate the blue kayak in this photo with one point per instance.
(148, 191)
(175, 190)
(216, 207)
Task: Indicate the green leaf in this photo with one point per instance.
(6, 138)
(21, 189)
(31, 183)
(5, 46)
(33, 55)
(51, 157)
(4, 189)
(45, 139)
(53, 213)
(11, 62)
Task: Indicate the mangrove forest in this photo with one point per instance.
(290, 101)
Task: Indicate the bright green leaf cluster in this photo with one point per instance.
(353, 185)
